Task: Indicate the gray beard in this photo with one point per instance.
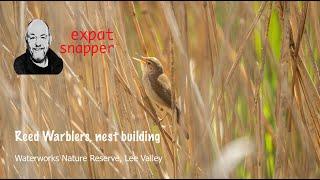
(35, 61)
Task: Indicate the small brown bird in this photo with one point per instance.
(157, 85)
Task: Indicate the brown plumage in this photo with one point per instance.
(157, 85)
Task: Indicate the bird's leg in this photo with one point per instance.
(161, 109)
(161, 119)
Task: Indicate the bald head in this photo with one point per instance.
(38, 39)
(37, 26)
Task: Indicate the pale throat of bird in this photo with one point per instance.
(145, 69)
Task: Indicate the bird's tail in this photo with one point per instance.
(185, 131)
(178, 114)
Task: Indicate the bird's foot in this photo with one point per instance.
(161, 119)
(161, 109)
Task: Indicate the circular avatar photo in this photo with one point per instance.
(38, 58)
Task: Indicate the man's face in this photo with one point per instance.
(38, 40)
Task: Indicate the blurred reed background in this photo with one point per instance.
(245, 74)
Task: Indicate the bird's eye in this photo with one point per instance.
(148, 63)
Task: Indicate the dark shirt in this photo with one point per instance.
(24, 65)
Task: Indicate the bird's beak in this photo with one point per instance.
(143, 60)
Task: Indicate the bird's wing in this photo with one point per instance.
(164, 80)
(166, 85)
(164, 89)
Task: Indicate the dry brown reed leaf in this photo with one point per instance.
(283, 97)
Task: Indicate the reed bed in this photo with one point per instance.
(245, 75)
